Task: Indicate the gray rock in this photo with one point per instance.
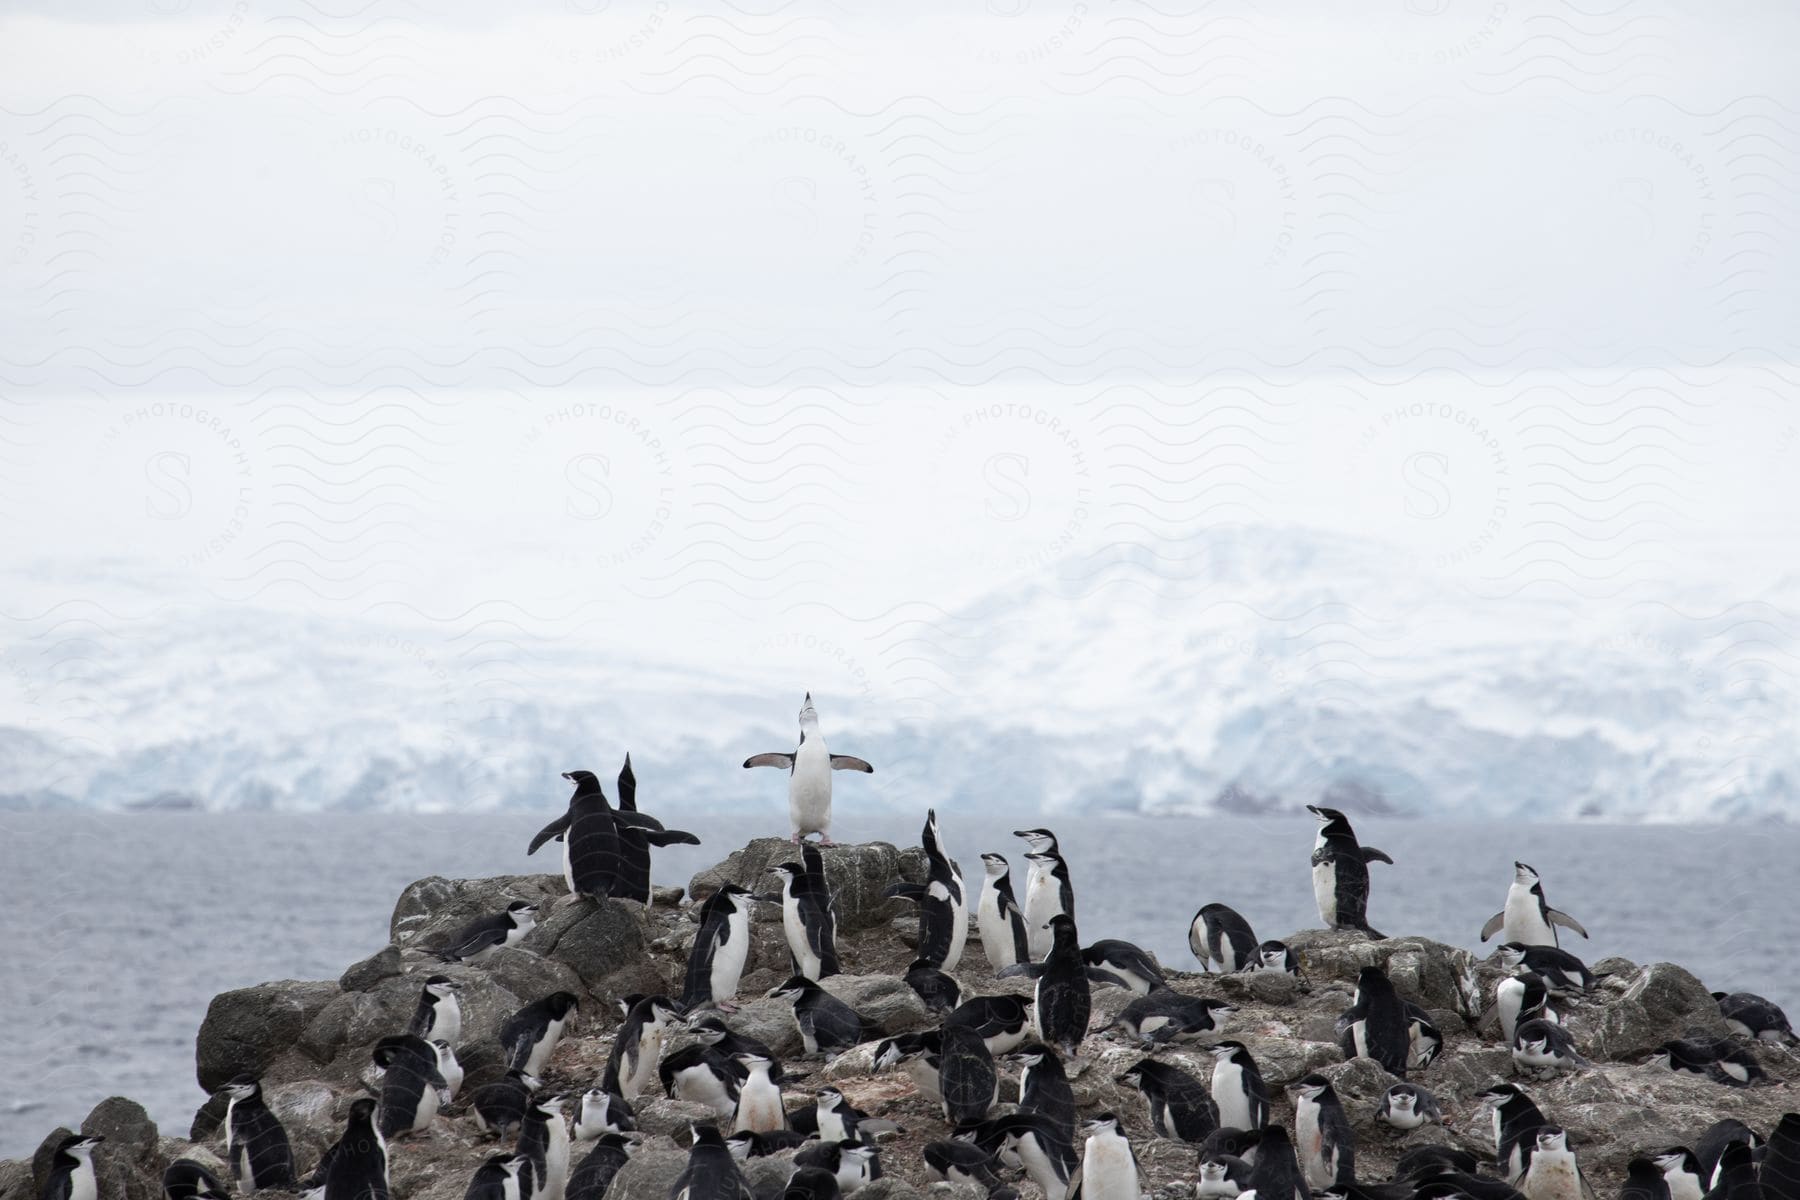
(888, 1002)
(125, 1164)
(246, 1029)
(770, 1022)
(604, 943)
(858, 876)
(1428, 973)
(890, 1187)
(383, 964)
(649, 1175)
(1660, 1002)
(15, 1180)
(430, 909)
(672, 1117)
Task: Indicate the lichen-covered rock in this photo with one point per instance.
(246, 1029)
(383, 964)
(649, 1175)
(671, 1118)
(1659, 1002)
(1428, 973)
(604, 943)
(430, 909)
(887, 1001)
(857, 874)
(125, 1164)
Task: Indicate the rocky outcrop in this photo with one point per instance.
(310, 1041)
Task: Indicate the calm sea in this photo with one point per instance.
(119, 928)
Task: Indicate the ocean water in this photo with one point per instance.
(119, 928)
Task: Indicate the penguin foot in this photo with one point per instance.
(794, 838)
(825, 840)
(726, 1006)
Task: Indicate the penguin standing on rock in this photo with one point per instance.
(1238, 1088)
(1375, 1025)
(530, 1036)
(966, 1075)
(1062, 1000)
(1516, 1123)
(593, 864)
(1044, 1087)
(439, 1014)
(544, 1140)
(1109, 1166)
(943, 904)
(256, 1145)
(711, 1173)
(1180, 1105)
(477, 941)
(1340, 867)
(412, 1088)
(358, 1162)
(999, 918)
(809, 770)
(1518, 999)
(1048, 891)
(72, 1174)
(1554, 1173)
(1527, 917)
(499, 1107)
(1322, 1134)
(1217, 934)
(637, 1047)
(759, 1104)
(716, 961)
(638, 832)
(807, 921)
(499, 1178)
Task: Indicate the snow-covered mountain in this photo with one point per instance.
(1242, 670)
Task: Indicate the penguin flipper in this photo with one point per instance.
(1371, 854)
(771, 759)
(553, 829)
(906, 891)
(1493, 925)
(1025, 970)
(849, 762)
(1558, 917)
(1102, 975)
(671, 837)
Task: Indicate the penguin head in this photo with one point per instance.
(521, 909)
(995, 864)
(79, 1145)
(583, 780)
(1030, 1054)
(446, 1053)
(1101, 1123)
(706, 1133)
(440, 986)
(1512, 954)
(1062, 929)
(506, 1162)
(887, 1054)
(741, 1144)
(1523, 873)
(362, 1111)
(809, 716)
(794, 987)
(1132, 1076)
(549, 1107)
(1399, 1100)
(787, 872)
(829, 1098)
(561, 1004)
(1037, 839)
(1311, 1087)
(243, 1087)
(1331, 821)
(1551, 1139)
(709, 1029)
(751, 1060)
(1227, 1050)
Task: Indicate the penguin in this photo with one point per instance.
(256, 1144)
(1407, 1106)
(1736, 1176)
(998, 916)
(1044, 1086)
(1222, 1177)
(1217, 934)
(1062, 1001)
(1780, 1167)
(1375, 1025)
(589, 831)
(1275, 1171)
(1749, 1015)
(448, 1067)
(859, 1164)
(957, 1161)
(1109, 1166)
(1424, 1040)
(711, 1173)
(499, 1178)
(917, 1054)
(1461, 1185)
(1516, 1123)
(716, 961)
(943, 904)
(1644, 1180)
(359, 1159)
(530, 1035)
(759, 1106)
(967, 1078)
(1227, 1139)
(412, 1090)
(1340, 867)
(847, 1163)
(185, 1179)
(1275, 956)
(711, 1031)
(1680, 1169)
(1544, 1050)
(638, 832)
(499, 1107)
(827, 1025)
(1553, 1173)
(603, 1112)
(809, 770)
(1004, 1021)
(1181, 1107)
(1123, 965)
(699, 1074)
(940, 993)
(1716, 1058)
(813, 1183)
(477, 941)
(1428, 1161)
(637, 1047)
(1527, 917)
(1165, 1016)
(835, 1120)
(1041, 1146)
(439, 1011)
(1238, 1088)
(1521, 998)
(544, 1140)
(1048, 891)
(72, 1174)
(1561, 971)
(1709, 1147)
(1322, 1136)
(746, 1145)
(809, 923)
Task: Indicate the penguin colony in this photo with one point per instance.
(570, 1147)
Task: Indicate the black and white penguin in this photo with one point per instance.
(827, 1025)
(1275, 956)
(412, 1089)
(942, 900)
(638, 832)
(1123, 964)
(1427, 1162)
(812, 1183)
(1062, 1002)
(998, 916)
(746, 1145)
(500, 1177)
(966, 1075)
(1516, 1123)
(544, 1140)
(1543, 1050)
(957, 1161)
(256, 1145)
(1521, 998)
(716, 960)
(1044, 1086)
(836, 1119)
(917, 1054)
(1736, 1177)
(939, 991)
(1710, 1146)
(1109, 1166)
(1424, 1040)
(1780, 1167)
(699, 1074)
(1042, 1147)
(1561, 971)
(712, 1031)
(1644, 1180)
(1340, 867)
(185, 1179)
(602, 1112)
(1375, 1026)
(808, 921)
(1323, 1140)
(1218, 934)
(1553, 1173)
(359, 1159)
(1275, 1171)
(438, 1016)
(711, 1172)
(809, 770)
(1222, 1177)
(1166, 1016)
(448, 1067)
(1719, 1059)
(1680, 1169)
(499, 1107)
(1004, 1021)
(1048, 890)
(638, 1045)
(589, 831)
(72, 1174)
(1238, 1088)
(530, 1036)
(477, 941)
(850, 1164)
(1181, 1107)
(1407, 1106)
(1527, 917)
(759, 1106)
(1749, 1015)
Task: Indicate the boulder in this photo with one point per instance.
(245, 1030)
(858, 876)
(1658, 1002)
(671, 1118)
(1428, 973)
(605, 943)
(432, 908)
(125, 1164)
(890, 1187)
(887, 1001)
(383, 964)
(649, 1175)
